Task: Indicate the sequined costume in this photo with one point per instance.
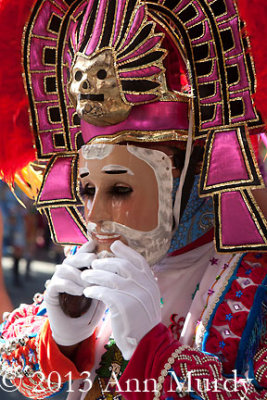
(223, 319)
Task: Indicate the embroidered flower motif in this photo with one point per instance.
(228, 317)
(214, 261)
(176, 325)
(210, 292)
(222, 344)
(248, 271)
(239, 293)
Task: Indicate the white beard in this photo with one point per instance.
(152, 245)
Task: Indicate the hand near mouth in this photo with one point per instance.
(126, 284)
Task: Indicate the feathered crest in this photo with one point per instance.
(16, 141)
(254, 14)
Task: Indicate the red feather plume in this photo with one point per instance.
(254, 13)
(16, 138)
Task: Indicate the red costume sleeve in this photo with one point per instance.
(160, 366)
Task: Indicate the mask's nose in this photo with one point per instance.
(98, 211)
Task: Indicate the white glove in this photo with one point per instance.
(128, 287)
(67, 331)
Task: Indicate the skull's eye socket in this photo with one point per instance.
(78, 76)
(102, 74)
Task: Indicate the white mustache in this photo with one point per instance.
(106, 227)
(91, 226)
(107, 234)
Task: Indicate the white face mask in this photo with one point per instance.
(153, 243)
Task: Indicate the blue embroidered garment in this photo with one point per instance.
(198, 218)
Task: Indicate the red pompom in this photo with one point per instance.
(16, 138)
(254, 13)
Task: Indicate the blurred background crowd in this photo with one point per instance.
(26, 235)
(27, 258)
(27, 254)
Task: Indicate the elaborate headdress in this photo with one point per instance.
(145, 71)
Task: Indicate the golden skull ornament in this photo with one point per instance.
(94, 89)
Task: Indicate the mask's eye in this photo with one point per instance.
(87, 191)
(102, 74)
(78, 76)
(121, 190)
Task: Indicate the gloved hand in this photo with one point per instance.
(128, 287)
(67, 331)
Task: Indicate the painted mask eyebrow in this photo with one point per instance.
(84, 172)
(116, 169)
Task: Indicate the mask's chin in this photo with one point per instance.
(152, 245)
